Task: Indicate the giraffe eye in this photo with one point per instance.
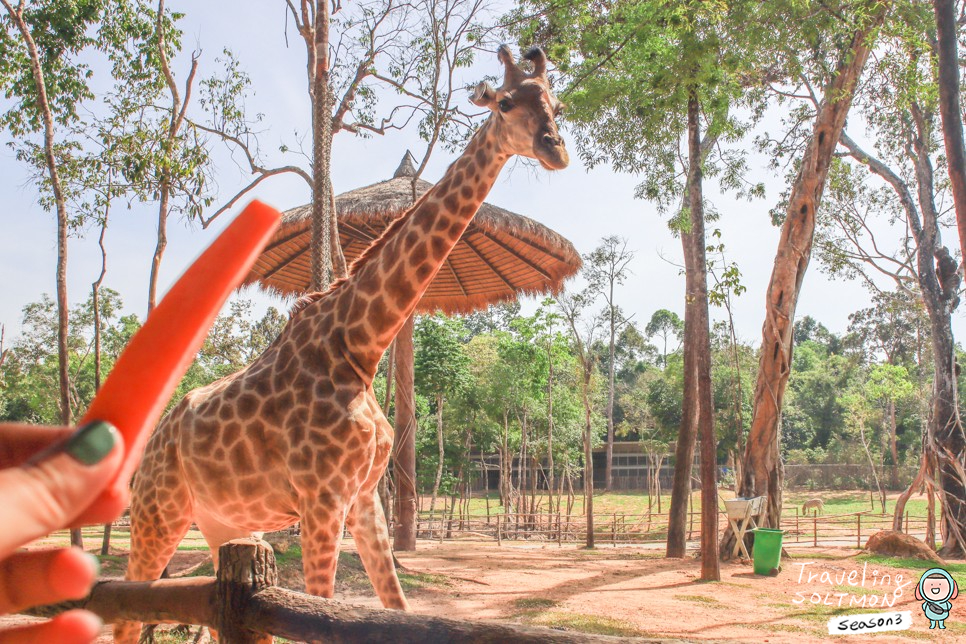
(506, 105)
(559, 109)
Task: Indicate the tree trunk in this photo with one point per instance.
(550, 466)
(917, 483)
(322, 101)
(96, 300)
(160, 246)
(939, 282)
(439, 442)
(697, 356)
(893, 447)
(762, 470)
(946, 434)
(949, 108)
(690, 413)
(404, 449)
(588, 455)
(506, 467)
(609, 466)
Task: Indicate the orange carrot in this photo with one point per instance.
(157, 357)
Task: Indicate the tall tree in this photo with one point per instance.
(178, 159)
(665, 324)
(907, 134)
(40, 68)
(606, 268)
(645, 81)
(584, 332)
(762, 472)
(950, 106)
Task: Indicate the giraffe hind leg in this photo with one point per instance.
(367, 523)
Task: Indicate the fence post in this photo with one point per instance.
(815, 530)
(246, 566)
(613, 531)
(858, 530)
(499, 537)
(798, 533)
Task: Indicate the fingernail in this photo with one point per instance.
(91, 442)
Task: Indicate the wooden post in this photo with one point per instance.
(907, 522)
(405, 511)
(858, 528)
(559, 527)
(613, 531)
(499, 537)
(246, 566)
(815, 530)
(798, 534)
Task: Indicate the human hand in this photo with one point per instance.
(49, 477)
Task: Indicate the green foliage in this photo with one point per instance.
(630, 68)
(441, 365)
(30, 373)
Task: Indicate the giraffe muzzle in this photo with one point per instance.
(551, 152)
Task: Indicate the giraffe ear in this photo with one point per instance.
(483, 95)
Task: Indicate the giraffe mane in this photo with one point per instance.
(309, 298)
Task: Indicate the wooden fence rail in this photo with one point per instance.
(245, 606)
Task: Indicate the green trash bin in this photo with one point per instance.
(767, 551)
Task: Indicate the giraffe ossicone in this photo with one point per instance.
(298, 435)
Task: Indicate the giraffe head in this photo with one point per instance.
(525, 109)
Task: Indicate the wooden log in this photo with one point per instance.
(243, 603)
(168, 601)
(299, 617)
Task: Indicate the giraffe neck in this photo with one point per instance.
(383, 291)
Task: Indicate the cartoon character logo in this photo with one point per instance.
(937, 589)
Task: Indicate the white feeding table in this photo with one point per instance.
(741, 514)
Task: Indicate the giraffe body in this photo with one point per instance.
(298, 435)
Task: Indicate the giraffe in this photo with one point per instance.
(298, 435)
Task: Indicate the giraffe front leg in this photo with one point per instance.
(367, 523)
(322, 522)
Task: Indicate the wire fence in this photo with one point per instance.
(845, 530)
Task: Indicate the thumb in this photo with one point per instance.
(48, 492)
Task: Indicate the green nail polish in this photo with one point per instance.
(92, 442)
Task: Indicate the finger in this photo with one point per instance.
(72, 627)
(50, 492)
(42, 577)
(20, 442)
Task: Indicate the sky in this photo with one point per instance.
(583, 205)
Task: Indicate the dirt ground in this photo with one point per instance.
(635, 592)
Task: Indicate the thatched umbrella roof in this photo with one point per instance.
(501, 254)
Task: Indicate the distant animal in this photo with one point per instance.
(813, 504)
